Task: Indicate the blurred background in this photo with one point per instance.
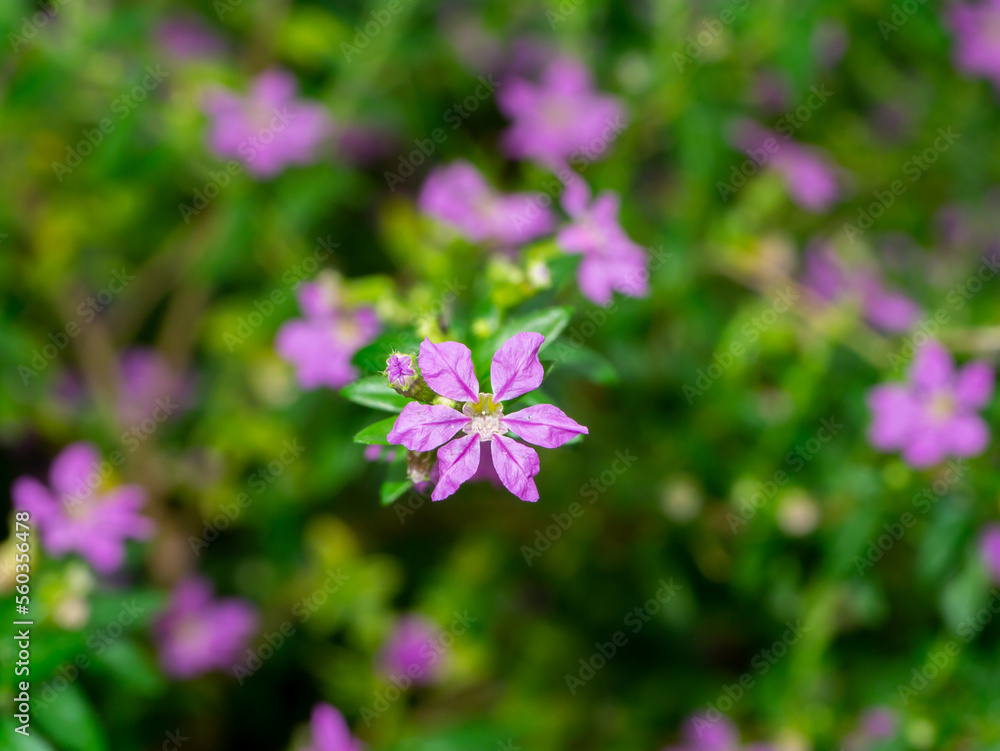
(221, 218)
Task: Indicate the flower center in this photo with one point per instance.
(485, 417)
(942, 406)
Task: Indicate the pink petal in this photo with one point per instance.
(544, 425)
(516, 369)
(893, 411)
(968, 434)
(30, 495)
(516, 464)
(974, 385)
(422, 427)
(457, 462)
(925, 448)
(932, 367)
(330, 731)
(71, 470)
(447, 368)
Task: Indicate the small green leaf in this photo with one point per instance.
(392, 489)
(376, 433)
(549, 322)
(374, 392)
(70, 721)
(593, 366)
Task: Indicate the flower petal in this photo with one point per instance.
(30, 495)
(516, 464)
(544, 425)
(974, 385)
(932, 367)
(893, 411)
(457, 462)
(516, 369)
(968, 435)
(422, 427)
(71, 470)
(447, 368)
(329, 729)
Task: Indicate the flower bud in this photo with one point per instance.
(403, 375)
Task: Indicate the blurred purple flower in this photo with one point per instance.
(188, 38)
(611, 261)
(321, 344)
(73, 516)
(149, 387)
(447, 368)
(197, 634)
(989, 549)
(810, 178)
(700, 733)
(560, 117)
(977, 29)
(328, 731)
(933, 415)
(878, 722)
(412, 650)
(269, 129)
(882, 308)
(830, 40)
(457, 194)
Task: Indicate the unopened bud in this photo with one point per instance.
(403, 375)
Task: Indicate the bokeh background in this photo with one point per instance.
(813, 186)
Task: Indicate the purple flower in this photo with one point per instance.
(188, 38)
(976, 31)
(701, 733)
(560, 117)
(989, 549)
(321, 344)
(878, 722)
(810, 178)
(457, 194)
(400, 371)
(882, 308)
(268, 129)
(148, 387)
(611, 261)
(934, 415)
(198, 634)
(516, 370)
(329, 731)
(412, 650)
(73, 515)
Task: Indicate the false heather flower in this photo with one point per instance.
(559, 118)
(321, 344)
(149, 387)
(934, 415)
(404, 377)
(975, 28)
(198, 634)
(700, 733)
(412, 650)
(269, 129)
(460, 196)
(611, 262)
(328, 731)
(72, 515)
(989, 549)
(516, 370)
(882, 308)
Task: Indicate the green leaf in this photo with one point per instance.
(392, 489)
(591, 365)
(70, 721)
(374, 392)
(376, 433)
(549, 322)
